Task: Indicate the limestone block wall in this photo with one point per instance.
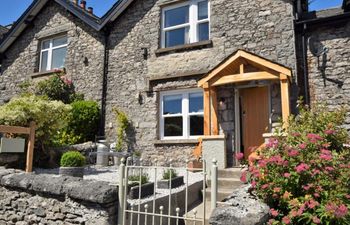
(48, 199)
(335, 91)
(84, 60)
(264, 27)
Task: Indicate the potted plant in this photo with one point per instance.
(147, 188)
(72, 164)
(170, 176)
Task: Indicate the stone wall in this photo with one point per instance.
(48, 199)
(335, 89)
(85, 51)
(264, 27)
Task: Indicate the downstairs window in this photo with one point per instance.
(181, 114)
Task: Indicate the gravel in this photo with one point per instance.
(111, 175)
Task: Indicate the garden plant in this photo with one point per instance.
(304, 173)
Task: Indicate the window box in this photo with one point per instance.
(175, 182)
(185, 23)
(181, 114)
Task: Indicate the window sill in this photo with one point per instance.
(176, 141)
(46, 73)
(181, 48)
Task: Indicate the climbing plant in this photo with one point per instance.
(122, 126)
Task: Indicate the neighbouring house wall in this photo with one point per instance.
(49, 199)
(84, 61)
(264, 27)
(335, 90)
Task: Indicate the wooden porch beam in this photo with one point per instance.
(266, 63)
(214, 112)
(206, 106)
(235, 78)
(285, 101)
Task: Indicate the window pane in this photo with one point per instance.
(196, 125)
(196, 102)
(44, 56)
(58, 57)
(176, 37)
(173, 126)
(203, 31)
(59, 41)
(202, 10)
(46, 44)
(172, 104)
(176, 16)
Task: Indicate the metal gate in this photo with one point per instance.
(166, 206)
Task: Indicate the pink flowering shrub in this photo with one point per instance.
(304, 176)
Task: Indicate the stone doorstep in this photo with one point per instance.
(226, 183)
(230, 173)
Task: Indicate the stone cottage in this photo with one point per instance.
(181, 70)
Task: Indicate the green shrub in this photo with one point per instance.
(72, 159)
(135, 179)
(49, 116)
(305, 176)
(83, 121)
(169, 173)
(57, 88)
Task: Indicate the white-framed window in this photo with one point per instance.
(181, 114)
(53, 53)
(185, 23)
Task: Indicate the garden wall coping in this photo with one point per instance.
(86, 190)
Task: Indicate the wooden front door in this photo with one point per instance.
(254, 117)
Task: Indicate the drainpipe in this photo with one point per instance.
(106, 33)
(305, 66)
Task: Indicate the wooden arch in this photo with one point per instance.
(243, 66)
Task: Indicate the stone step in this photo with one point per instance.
(222, 194)
(227, 183)
(230, 173)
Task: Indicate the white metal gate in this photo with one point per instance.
(166, 206)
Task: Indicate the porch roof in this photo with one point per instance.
(244, 66)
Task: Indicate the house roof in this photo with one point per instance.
(93, 21)
(3, 31)
(346, 5)
(327, 16)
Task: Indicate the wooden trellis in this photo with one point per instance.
(30, 131)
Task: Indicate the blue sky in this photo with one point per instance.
(10, 10)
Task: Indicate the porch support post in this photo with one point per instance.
(285, 98)
(207, 107)
(214, 112)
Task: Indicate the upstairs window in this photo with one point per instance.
(53, 53)
(181, 114)
(185, 23)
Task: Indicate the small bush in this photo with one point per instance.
(83, 121)
(49, 116)
(72, 159)
(57, 88)
(305, 176)
(169, 173)
(135, 179)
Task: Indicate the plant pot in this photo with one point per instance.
(117, 160)
(195, 164)
(175, 182)
(146, 190)
(72, 171)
